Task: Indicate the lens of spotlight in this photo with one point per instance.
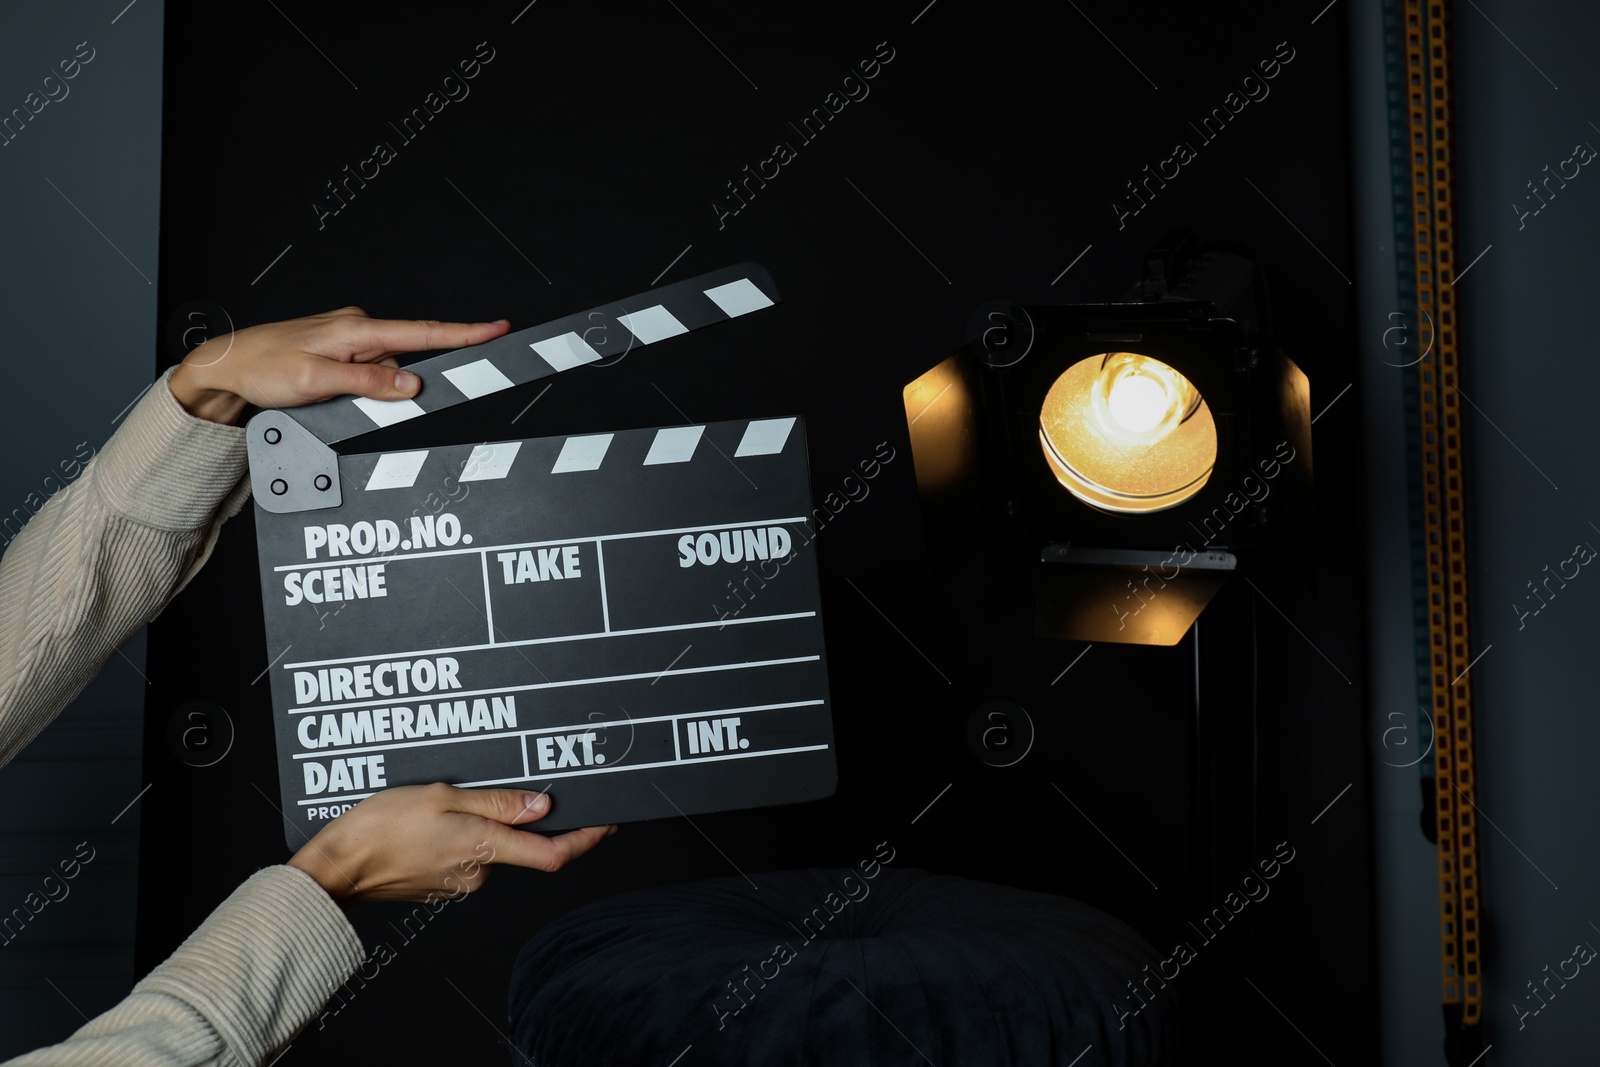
(1126, 432)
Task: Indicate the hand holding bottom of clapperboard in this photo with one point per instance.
(302, 361)
(395, 844)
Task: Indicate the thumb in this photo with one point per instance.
(330, 377)
(509, 806)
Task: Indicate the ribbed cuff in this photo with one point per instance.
(263, 963)
(166, 468)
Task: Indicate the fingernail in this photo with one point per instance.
(537, 802)
(406, 382)
(613, 828)
(502, 322)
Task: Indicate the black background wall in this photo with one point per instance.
(583, 166)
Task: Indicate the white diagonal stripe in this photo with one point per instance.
(489, 462)
(739, 298)
(388, 412)
(674, 444)
(652, 324)
(582, 453)
(764, 437)
(565, 351)
(478, 379)
(397, 470)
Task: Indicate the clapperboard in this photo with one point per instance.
(628, 619)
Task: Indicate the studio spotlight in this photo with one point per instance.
(1136, 452)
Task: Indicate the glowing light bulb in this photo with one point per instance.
(1125, 432)
(1138, 402)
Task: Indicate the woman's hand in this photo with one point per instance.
(301, 361)
(424, 842)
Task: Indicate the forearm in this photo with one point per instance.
(104, 556)
(251, 977)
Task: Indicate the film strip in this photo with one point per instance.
(628, 619)
(1422, 129)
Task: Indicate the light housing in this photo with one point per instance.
(1125, 456)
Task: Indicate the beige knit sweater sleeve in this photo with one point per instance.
(98, 561)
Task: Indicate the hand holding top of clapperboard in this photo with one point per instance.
(394, 845)
(306, 360)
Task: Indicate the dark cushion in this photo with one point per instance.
(828, 967)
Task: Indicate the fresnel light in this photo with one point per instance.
(1116, 442)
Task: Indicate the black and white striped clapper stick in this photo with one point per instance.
(282, 444)
(628, 619)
